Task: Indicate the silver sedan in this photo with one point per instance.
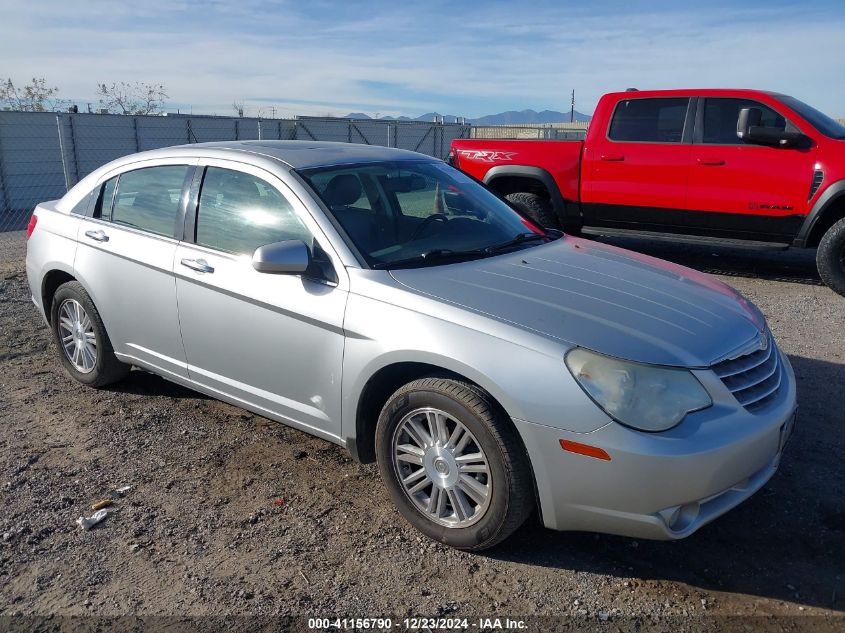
(384, 301)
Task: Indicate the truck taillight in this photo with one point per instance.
(33, 220)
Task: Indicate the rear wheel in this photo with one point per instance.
(535, 207)
(84, 347)
(453, 464)
(830, 257)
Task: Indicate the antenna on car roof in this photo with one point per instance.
(631, 90)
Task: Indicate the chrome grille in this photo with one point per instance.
(818, 178)
(754, 378)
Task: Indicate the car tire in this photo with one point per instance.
(830, 257)
(83, 345)
(535, 207)
(503, 468)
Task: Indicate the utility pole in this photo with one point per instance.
(572, 108)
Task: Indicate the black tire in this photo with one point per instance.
(830, 258)
(535, 207)
(107, 369)
(511, 499)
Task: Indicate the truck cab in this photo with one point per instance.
(745, 167)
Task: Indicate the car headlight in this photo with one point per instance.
(640, 396)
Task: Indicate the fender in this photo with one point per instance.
(568, 212)
(351, 424)
(59, 266)
(828, 197)
(41, 276)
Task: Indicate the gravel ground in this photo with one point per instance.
(230, 513)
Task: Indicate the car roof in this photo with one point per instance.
(310, 154)
(694, 92)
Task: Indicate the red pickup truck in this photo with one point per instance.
(731, 166)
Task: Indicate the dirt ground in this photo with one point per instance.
(231, 514)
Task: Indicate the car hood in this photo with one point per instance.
(601, 297)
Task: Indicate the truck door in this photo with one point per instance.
(742, 190)
(637, 173)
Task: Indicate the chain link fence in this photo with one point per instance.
(43, 154)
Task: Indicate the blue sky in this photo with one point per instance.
(463, 58)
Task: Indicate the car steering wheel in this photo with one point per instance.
(436, 217)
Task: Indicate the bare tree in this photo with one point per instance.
(35, 96)
(238, 107)
(132, 98)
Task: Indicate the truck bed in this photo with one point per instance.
(561, 160)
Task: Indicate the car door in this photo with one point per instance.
(125, 259)
(748, 191)
(637, 174)
(273, 342)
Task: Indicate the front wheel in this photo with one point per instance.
(830, 257)
(453, 463)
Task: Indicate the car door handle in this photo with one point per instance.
(98, 236)
(612, 157)
(199, 265)
(715, 162)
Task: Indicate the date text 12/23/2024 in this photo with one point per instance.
(416, 624)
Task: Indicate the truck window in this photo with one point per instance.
(721, 114)
(649, 120)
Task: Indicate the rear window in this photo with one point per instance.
(649, 120)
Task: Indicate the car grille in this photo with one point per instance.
(754, 378)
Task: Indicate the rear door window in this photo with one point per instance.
(649, 120)
(148, 199)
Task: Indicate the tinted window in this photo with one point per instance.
(720, 117)
(81, 207)
(649, 120)
(104, 200)
(148, 199)
(239, 212)
(818, 120)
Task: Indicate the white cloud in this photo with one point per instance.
(211, 53)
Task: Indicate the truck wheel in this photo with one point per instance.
(830, 257)
(84, 347)
(535, 207)
(453, 463)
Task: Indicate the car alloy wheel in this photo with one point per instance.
(442, 468)
(78, 339)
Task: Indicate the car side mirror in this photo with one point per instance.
(748, 129)
(290, 257)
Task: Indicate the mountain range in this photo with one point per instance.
(511, 117)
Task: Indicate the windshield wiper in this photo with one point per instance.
(441, 254)
(437, 254)
(522, 238)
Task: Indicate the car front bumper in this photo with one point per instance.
(660, 485)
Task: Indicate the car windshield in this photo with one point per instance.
(419, 213)
(819, 120)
